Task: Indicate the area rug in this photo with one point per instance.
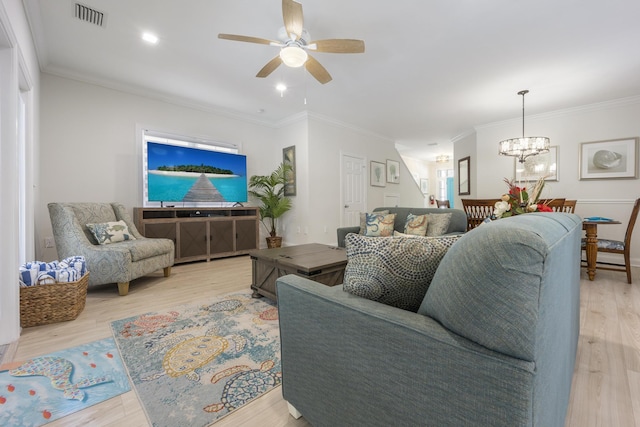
(195, 364)
(43, 389)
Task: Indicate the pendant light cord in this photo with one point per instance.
(523, 93)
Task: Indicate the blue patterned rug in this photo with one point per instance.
(195, 364)
(43, 389)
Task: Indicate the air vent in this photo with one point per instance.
(92, 16)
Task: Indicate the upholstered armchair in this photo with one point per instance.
(118, 262)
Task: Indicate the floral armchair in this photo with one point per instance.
(118, 262)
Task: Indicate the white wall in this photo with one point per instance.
(465, 147)
(19, 74)
(92, 153)
(295, 133)
(327, 142)
(567, 130)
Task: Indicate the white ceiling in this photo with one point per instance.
(431, 71)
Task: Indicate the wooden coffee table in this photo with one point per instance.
(321, 263)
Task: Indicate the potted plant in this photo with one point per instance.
(269, 190)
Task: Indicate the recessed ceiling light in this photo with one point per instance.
(281, 87)
(151, 38)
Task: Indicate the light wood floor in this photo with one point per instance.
(606, 382)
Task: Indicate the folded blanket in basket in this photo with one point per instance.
(39, 273)
(76, 262)
(67, 274)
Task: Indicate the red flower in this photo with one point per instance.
(544, 208)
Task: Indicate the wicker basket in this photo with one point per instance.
(58, 302)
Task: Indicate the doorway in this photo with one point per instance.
(354, 189)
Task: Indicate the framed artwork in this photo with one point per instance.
(464, 176)
(289, 158)
(612, 159)
(424, 185)
(535, 167)
(393, 172)
(378, 176)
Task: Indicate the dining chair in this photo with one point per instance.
(478, 210)
(569, 206)
(442, 203)
(556, 204)
(618, 247)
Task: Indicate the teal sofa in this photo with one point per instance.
(458, 223)
(493, 343)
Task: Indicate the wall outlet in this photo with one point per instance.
(48, 242)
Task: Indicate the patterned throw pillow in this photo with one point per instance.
(399, 234)
(110, 232)
(379, 225)
(438, 224)
(363, 219)
(416, 225)
(396, 271)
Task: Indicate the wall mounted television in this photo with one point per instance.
(188, 174)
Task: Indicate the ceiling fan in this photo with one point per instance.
(295, 42)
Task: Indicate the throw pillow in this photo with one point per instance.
(416, 224)
(396, 271)
(438, 224)
(380, 225)
(399, 234)
(363, 219)
(110, 232)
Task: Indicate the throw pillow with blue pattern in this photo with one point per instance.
(379, 225)
(110, 232)
(396, 271)
(363, 219)
(416, 225)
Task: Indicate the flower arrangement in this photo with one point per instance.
(519, 201)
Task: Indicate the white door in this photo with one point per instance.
(354, 189)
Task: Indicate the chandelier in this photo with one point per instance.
(524, 147)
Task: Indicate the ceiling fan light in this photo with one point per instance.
(293, 56)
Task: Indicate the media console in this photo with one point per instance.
(202, 233)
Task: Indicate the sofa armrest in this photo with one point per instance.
(342, 233)
(351, 361)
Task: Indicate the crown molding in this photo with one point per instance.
(354, 128)
(599, 106)
(169, 99)
(463, 135)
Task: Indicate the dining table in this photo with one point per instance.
(590, 226)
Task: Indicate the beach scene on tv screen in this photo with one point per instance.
(184, 174)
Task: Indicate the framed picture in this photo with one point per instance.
(535, 167)
(464, 176)
(613, 159)
(393, 172)
(289, 158)
(378, 176)
(424, 185)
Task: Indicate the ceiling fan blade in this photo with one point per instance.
(338, 46)
(292, 16)
(270, 67)
(247, 39)
(317, 70)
